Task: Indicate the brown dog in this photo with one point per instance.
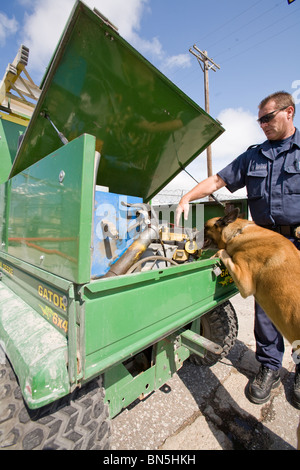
(264, 264)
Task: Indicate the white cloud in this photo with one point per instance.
(46, 19)
(241, 131)
(42, 27)
(8, 26)
(177, 61)
(151, 48)
(126, 15)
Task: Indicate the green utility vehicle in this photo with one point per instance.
(101, 299)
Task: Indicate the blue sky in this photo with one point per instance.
(256, 44)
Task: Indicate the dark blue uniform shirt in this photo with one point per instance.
(271, 173)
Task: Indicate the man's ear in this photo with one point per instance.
(228, 218)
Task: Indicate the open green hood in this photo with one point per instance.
(146, 129)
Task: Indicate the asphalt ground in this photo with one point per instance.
(205, 408)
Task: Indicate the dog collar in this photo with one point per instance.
(238, 232)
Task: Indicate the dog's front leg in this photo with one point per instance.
(241, 278)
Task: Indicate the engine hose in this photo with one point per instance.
(150, 258)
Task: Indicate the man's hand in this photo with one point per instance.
(203, 189)
(181, 208)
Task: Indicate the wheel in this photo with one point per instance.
(220, 326)
(78, 421)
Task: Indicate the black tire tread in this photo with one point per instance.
(220, 326)
(78, 421)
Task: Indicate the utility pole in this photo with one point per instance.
(206, 64)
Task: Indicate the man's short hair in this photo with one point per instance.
(281, 98)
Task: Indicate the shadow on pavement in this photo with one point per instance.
(243, 430)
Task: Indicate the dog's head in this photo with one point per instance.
(213, 229)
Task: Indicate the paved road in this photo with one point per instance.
(203, 408)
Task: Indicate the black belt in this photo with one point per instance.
(286, 230)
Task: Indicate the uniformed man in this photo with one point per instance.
(271, 174)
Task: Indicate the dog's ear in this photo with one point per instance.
(228, 218)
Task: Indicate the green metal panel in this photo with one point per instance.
(49, 296)
(4, 214)
(102, 95)
(124, 383)
(9, 137)
(37, 351)
(212, 209)
(145, 127)
(51, 211)
(44, 292)
(124, 315)
(122, 387)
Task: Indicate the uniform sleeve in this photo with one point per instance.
(234, 174)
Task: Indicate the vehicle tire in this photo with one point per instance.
(220, 326)
(78, 421)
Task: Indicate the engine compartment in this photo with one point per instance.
(130, 236)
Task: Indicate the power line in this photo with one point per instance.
(230, 21)
(225, 24)
(246, 24)
(255, 34)
(190, 75)
(259, 43)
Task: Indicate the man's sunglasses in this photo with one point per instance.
(268, 117)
